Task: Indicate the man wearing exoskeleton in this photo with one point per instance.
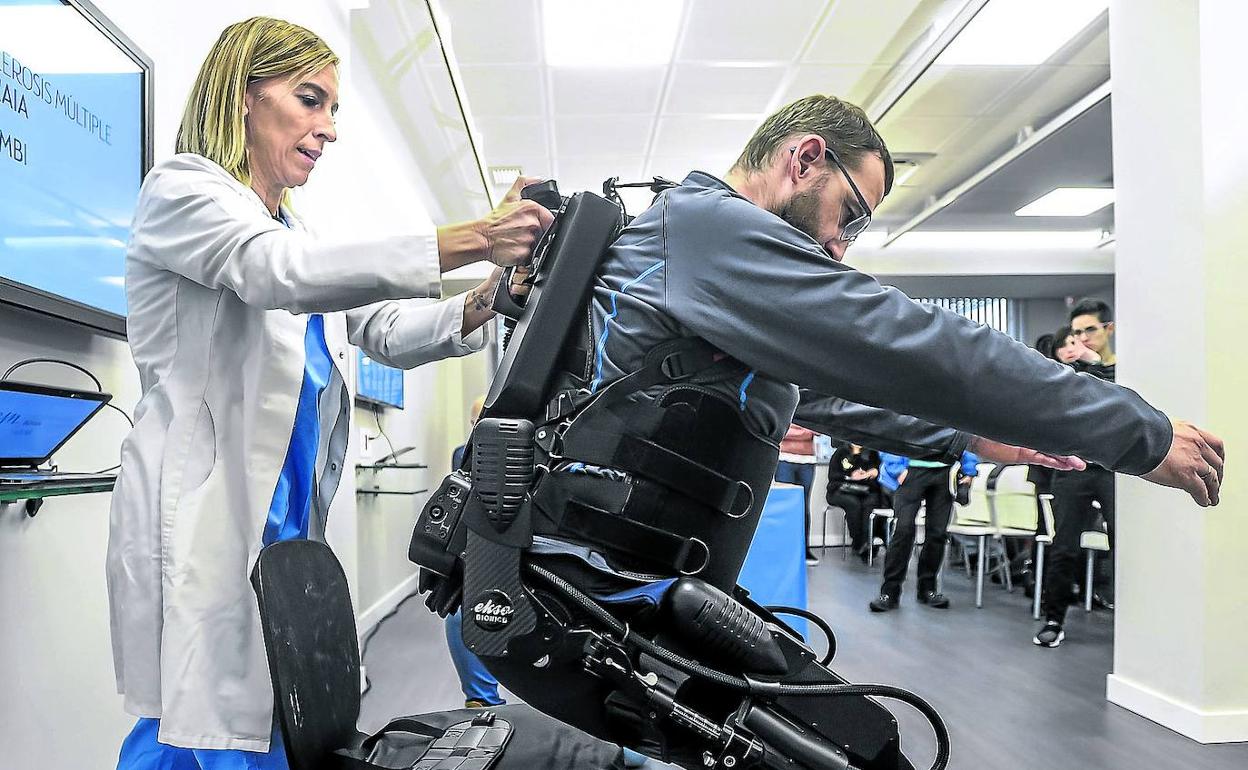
(631, 433)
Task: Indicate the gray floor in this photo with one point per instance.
(1008, 704)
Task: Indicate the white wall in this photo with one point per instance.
(53, 606)
(1180, 625)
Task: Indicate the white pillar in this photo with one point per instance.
(1180, 115)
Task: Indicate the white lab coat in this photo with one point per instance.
(218, 293)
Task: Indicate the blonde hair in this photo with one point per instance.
(251, 50)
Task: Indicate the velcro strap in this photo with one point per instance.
(683, 555)
(651, 461)
(467, 746)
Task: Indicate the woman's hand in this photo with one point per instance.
(505, 236)
(859, 475)
(479, 303)
(511, 231)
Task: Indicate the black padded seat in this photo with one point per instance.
(314, 660)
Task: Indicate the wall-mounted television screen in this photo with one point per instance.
(75, 128)
(377, 383)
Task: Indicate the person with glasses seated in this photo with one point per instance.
(1086, 345)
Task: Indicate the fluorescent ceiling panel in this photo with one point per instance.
(1015, 240)
(603, 33)
(1020, 32)
(1069, 202)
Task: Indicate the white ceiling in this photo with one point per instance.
(735, 62)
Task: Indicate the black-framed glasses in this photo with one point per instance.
(857, 224)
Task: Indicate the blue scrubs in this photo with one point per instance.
(289, 515)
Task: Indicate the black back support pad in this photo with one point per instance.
(554, 308)
(314, 655)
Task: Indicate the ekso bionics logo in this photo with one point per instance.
(493, 611)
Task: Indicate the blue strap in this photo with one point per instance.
(651, 592)
(289, 513)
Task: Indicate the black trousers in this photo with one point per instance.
(921, 484)
(1073, 514)
(857, 508)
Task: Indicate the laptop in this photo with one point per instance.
(37, 420)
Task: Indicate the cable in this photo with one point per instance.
(99, 387)
(382, 431)
(813, 618)
(113, 406)
(741, 685)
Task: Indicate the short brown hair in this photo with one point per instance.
(844, 126)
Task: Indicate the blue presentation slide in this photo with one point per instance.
(33, 424)
(378, 382)
(71, 156)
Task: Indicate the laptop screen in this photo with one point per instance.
(35, 420)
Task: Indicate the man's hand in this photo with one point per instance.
(1008, 454)
(513, 228)
(1086, 354)
(1195, 464)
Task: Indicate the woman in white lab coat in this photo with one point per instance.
(239, 323)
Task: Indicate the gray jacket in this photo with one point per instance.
(703, 261)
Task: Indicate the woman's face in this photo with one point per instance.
(288, 124)
(1068, 350)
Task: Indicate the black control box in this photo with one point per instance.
(438, 539)
(502, 468)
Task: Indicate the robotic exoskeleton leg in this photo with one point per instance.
(654, 647)
(676, 668)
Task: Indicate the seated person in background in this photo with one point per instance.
(797, 466)
(854, 487)
(919, 481)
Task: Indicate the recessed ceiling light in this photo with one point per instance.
(609, 33)
(1020, 32)
(504, 176)
(1009, 239)
(1069, 202)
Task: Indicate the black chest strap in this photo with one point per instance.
(596, 511)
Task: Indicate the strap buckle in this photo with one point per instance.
(687, 550)
(676, 366)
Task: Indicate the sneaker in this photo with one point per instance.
(883, 603)
(1103, 602)
(1051, 635)
(811, 559)
(476, 704)
(933, 599)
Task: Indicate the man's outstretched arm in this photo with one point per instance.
(902, 434)
(754, 287)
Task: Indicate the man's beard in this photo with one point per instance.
(802, 211)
